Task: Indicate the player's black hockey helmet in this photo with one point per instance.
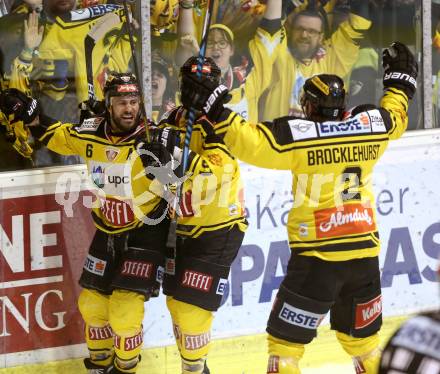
(209, 69)
(120, 84)
(210, 77)
(326, 93)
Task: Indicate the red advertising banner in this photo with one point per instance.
(41, 256)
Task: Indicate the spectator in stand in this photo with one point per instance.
(46, 79)
(304, 52)
(11, 36)
(162, 86)
(45, 70)
(107, 47)
(245, 82)
(365, 72)
(164, 14)
(12, 43)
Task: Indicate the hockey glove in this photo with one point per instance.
(17, 106)
(400, 68)
(152, 153)
(169, 138)
(18, 135)
(204, 95)
(91, 108)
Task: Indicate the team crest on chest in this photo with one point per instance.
(111, 153)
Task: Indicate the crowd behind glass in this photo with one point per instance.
(43, 53)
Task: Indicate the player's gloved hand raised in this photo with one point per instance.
(400, 68)
(152, 153)
(163, 144)
(204, 95)
(169, 138)
(17, 106)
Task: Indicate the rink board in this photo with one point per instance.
(240, 355)
(42, 248)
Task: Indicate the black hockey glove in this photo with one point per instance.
(17, 106)
(204, 95)
(164, 144)
(152, 153)
(168, 137)
(400, 68)
(91, 108)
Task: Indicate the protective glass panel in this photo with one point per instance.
(436, 62)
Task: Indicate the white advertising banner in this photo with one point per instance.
(42, 249)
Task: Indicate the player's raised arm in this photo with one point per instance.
(399, 81)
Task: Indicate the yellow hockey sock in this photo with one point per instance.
(365, 352)
(283, 356)
(93, 306)
(100, 344)
(126, 312)
(192, 330)
(127, 351)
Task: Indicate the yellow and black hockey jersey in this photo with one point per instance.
(333, 213)
(212, 196)
(122, 198)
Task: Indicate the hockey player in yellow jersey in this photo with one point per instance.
(210, 227)
(332, 227)
(124, 266)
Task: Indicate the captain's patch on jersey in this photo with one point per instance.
(302, 129)
(90, 124)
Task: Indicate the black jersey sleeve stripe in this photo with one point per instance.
(329, 240)
(49, 133)
(218, 146)
(339, 247)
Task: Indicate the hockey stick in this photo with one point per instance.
(136, 68)
(172, 237)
